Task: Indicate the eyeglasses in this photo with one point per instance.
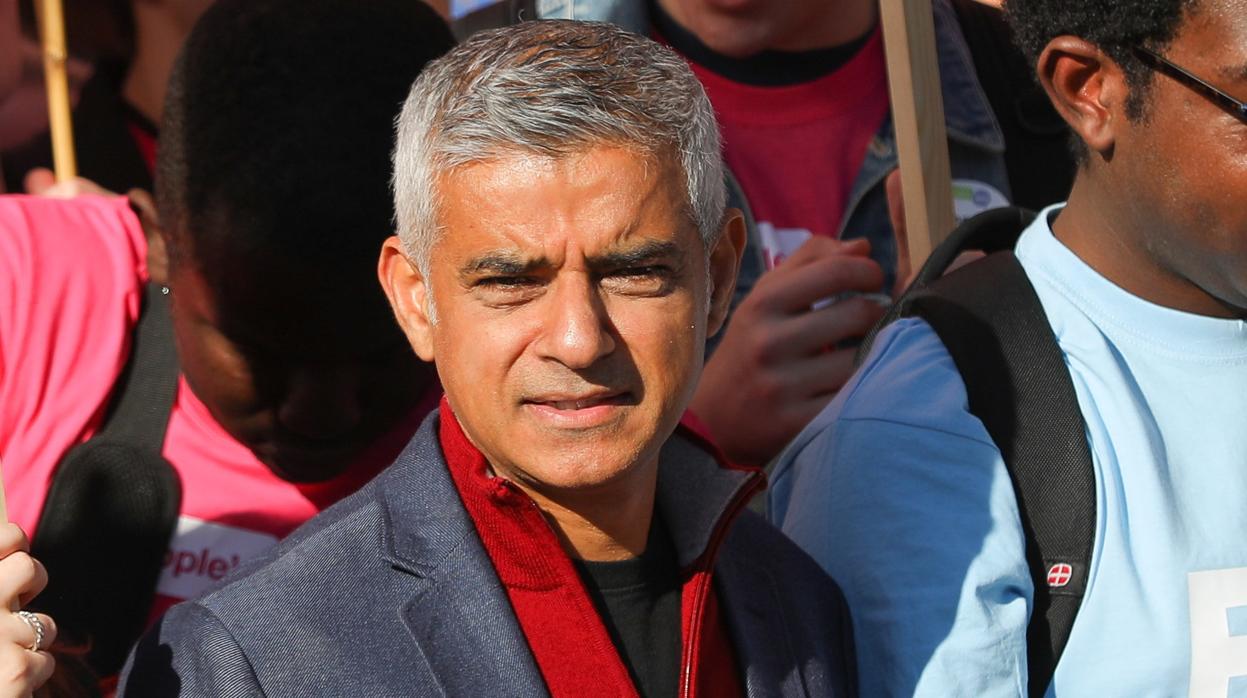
(1162, 65)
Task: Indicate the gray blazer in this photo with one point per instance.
(390, 592)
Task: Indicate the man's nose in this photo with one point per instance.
(321, 402)
(578, 331)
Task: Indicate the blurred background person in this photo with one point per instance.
(23, 104)
(291, 385)
(24, 114)
(131, 45)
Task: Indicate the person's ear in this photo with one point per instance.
(1087, 88)
(144, 207)
(408, 292)
(724, 266)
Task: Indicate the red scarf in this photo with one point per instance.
(568, 639)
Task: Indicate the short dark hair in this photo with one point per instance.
(1116, 26)
(278, 126)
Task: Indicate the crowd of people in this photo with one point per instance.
(573, 347)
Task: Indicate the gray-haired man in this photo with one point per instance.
(564, 251)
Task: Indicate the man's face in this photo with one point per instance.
(1184, 167)
(572, 303)
(742, 28)
(304, 366)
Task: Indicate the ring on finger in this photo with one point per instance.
(36, 626)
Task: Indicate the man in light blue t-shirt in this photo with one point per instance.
(898, 490)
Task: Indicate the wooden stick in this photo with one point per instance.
(918, 118)
(52, 35)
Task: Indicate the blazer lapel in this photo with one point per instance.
(463, 624)
(458, 614)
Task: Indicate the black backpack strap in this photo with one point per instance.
(113, 505)
(995, 230)
(140, 413)
(990, 319)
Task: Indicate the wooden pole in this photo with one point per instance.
(918, 118)
(52, 37)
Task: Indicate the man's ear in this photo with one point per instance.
(144, 207)
(408, 292)
(724, 265)
(1087, 88)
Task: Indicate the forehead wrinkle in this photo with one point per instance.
(641, 204)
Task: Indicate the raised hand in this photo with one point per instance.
(25, 637)
(779, 362)
(42, 182)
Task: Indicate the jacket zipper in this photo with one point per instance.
(746, 492)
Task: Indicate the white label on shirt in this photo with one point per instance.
(1216, 655)
(203, 552)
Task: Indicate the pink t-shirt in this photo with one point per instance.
(71, 281)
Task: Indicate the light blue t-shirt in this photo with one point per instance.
(897, 490)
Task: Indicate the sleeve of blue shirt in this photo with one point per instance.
(900, 494)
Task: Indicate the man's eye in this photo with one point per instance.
(643, 280)
(505, 282)
(506, 291)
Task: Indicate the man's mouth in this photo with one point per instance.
(579, 411)
(584, 402)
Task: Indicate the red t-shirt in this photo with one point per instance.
(796, 150)
(71, 279)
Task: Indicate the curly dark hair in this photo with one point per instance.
(1114, 25)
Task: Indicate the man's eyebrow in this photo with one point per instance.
(646, 252)
(507, 263)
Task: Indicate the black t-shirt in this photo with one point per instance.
(639, 601)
